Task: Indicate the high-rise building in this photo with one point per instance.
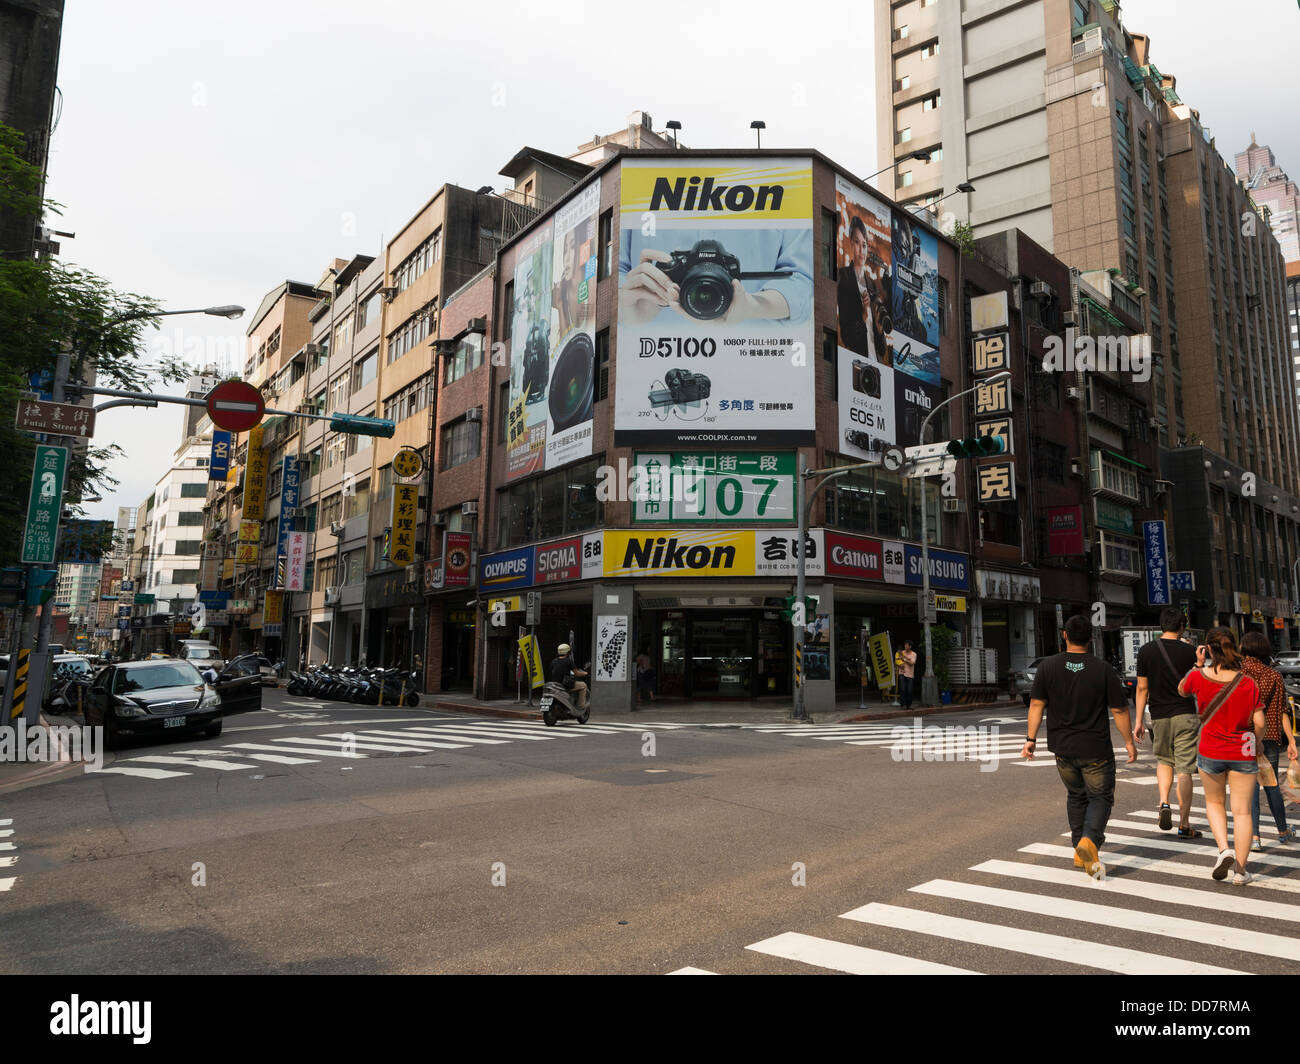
(1270, 187)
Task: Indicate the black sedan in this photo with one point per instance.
(139, 698)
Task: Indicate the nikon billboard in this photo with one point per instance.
(715, 314)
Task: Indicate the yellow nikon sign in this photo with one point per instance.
(532, 655)
(679, 553)
(882, 660)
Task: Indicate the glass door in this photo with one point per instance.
(722, 657)
(672, 658)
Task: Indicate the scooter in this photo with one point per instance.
(559, 703)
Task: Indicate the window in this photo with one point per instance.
(340, 392)
(313, 462)
(368, 311)
(188, 547)
(273, 344)
(906, 134)
(460, 442)
(930, 103)
(379, 546)
(1079, 13)
(905, 82)
(335, 450)
(358, 442)
(830, 227)
(606, 263)
(943, 306)
(503, 409)
(185, 576)
(903, 32)
(325, 573)
(385, 483)
(905, 179)
(191, 491)
(929, 51)
(419, 260)
(467, 357)
(318, 400)
(364, 371)
(323, 354)
(415, 329)
(357, 501)
(553, 504)
(454, 520)
(353, 565)
(602, 365)
(195, 518)
(343, 332)
(412, 399)
(508, 311)
(881, 503)
(331, 510)
(936, 156)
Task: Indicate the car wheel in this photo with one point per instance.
(213, 730)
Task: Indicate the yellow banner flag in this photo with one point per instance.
(882, 660)
(532, 654)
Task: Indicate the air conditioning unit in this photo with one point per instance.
(412, 575)
(954, 506)
(476, 325)
(476, 414)
(1074, 393)
(1164, 487)
(1076, 467)
(389, 292)
(1153, 422)
(332, 595)
(469, 509)
(1041, 290)
(439, 520)
(336, 528)
(306, 408)
(311, 349)
(1087, 44)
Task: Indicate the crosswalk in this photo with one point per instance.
(8, 855)
(345, 742)
(1157, 896)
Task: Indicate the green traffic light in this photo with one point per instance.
(356, 425)
(977, 446)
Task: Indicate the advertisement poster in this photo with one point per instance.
(715, 323)
(611, 648)
(530, 355)
(455, 559)
(296, 568)
(888, 371)
(570, 386)
(1064, 531)
(255, 477)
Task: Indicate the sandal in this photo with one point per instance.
(1190, 833)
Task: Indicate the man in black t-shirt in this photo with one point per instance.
(1080, 693)
(1175, 724)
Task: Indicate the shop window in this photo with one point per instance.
(551, 505)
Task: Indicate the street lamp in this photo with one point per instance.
(758, 127)
(965, 186)
(929, 685)
(920, 153)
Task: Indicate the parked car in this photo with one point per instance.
(267, 670)
(159, 697)
(202, 653)
(1287, 662)
(1023, 682)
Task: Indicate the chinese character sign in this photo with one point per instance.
(45, 505)
(993, 398)
(989, 353)
(255, 477)
(997, 481)
(219, 462)
(1156, 554)
(297, 561)
(405, 500)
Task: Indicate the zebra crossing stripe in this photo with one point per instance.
(1129, 887)
(7, 882)
(359, 741)
(293, 750)
(354, 743)
(401, 735)
(197, 762)
(513, 733)
(1200, 846)
(692, 971)
(273, 758)
(1233, 938)
(1155, 815)
(146, 773)
(7, 846)
(1162, 865)
(1147, 781)
(5, 862)
(1035, 943)
(845, 957)
(5, 832)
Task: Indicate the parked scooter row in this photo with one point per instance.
(368, 687)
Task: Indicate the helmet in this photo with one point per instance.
(562, 649)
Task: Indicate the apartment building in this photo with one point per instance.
(1271, 189)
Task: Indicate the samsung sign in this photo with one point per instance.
(948, 570)
(505, 569)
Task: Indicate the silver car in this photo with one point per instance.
(1023, 682)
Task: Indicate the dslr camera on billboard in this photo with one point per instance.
(866, 378)
(705, 274)
(681, 386)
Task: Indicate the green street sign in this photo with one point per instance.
(44, 505)
(144, 600)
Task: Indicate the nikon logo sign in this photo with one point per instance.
(705, 194)
(686, 553)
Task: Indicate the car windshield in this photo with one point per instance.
(201, 652)
(73, 665)
(173, 674)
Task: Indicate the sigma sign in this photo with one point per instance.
(559, 561)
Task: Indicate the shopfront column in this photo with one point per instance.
(819, 652)
(610, 649)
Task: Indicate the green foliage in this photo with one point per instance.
(47, 307)
(964, 237)
(941, 647)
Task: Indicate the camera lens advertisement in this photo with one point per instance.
(553, 341)
(715, 324)
(887, 298)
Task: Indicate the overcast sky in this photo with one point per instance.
(207, 152)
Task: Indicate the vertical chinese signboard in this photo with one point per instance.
(402, 544)
(296, 568)
(255, 477)
(219, 462)
(288, 509)
(45, 505)
(1156, 554)
(991, 354)
(273, 613)
(246, 549)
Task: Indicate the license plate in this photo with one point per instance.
(173, 722)
(546, 701)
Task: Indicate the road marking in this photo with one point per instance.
(5, 832)
(1034, 943)
(478, 730)
(1233, 938)
(5, 862)
(844, 957)
(464, 738)
(339, 741)
(263, 757)
(1149, 781)
(146, 773)
(359, 741)
(1159, 864)
(691, 971)
(1129, 887)
(1206, 848)
(293, 750)
(1155, 815)
(8, 882)
(197, 762)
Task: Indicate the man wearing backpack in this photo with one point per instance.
(1175, 724)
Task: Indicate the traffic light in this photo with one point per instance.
(809, 608)
(40, 586)
(977, 447)
(356, 425)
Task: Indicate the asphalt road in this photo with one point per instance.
(326, 838)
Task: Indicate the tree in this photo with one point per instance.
(47, 307)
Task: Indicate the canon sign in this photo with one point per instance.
(854, 556)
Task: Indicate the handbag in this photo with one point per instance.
(1267, 777)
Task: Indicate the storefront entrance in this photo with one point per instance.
(714, 654)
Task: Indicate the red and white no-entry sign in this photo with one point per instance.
(235, 406)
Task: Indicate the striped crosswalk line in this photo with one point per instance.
(319, 751)
(1035, 943)
(359, 741)
(9, 859)
(844, 957)
(197, 762)
(1165, 866)
(143, 773)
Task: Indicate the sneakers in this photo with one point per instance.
(1086, 857)
(1257, 844)
(1241, 878)
(1287, 838)
(1225, 862)
(1166, 817)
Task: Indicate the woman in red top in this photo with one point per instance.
(1229, 740)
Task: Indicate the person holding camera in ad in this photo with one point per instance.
(682, 273)
(1232, 719)
(861, 302)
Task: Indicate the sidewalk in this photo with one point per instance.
(684, 711)
(17, 775)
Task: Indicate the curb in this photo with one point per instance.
(486, 711)
(928, 711)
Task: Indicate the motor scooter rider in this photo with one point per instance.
(567, 675)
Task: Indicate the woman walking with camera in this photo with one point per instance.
(1277, 727)
(1232, 718)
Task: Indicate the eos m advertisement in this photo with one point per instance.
(887, 298)
(715, 322)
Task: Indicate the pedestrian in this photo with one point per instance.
(1079, 693)
(1258, 655)
(907, 675)
(1232, 718)
(645, 677)
(1161, 666)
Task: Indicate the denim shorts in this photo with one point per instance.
(1217, 768)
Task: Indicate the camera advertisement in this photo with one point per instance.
(715, 318)
(888, 372)
(530, 356)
